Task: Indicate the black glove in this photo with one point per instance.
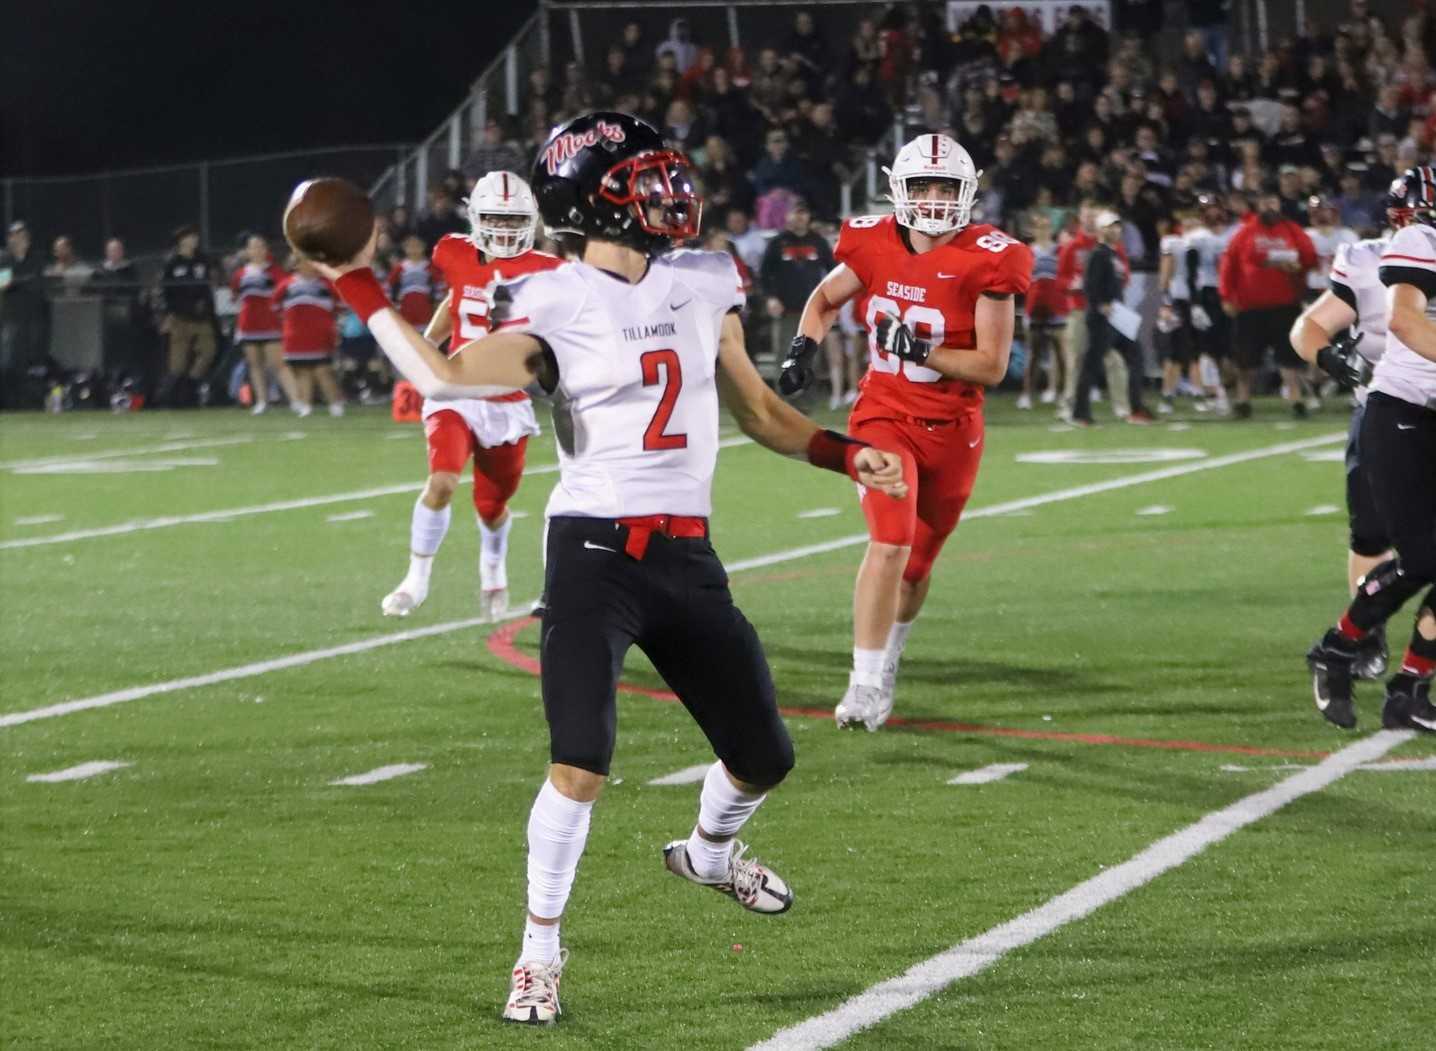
(796, 376)
(501, 306)
(1342, 362)
(896, 338)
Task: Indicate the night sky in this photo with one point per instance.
(86, 86)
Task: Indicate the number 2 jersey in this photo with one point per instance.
(469, 277)
(636, 406)
(935, 293)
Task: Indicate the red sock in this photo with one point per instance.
(1348, 629)
(1415, 664)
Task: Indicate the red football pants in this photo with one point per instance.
(940, 464)
(497, 470)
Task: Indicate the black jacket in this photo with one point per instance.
(24, 299)
(793, 266)
(1103, 280)
(185, 287)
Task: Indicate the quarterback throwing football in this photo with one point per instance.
(937, 297)
(633, 343)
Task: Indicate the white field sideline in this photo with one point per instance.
(296, 660)
(977, 954)
(228, 514)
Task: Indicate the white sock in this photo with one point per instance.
(494, 552)
(867, 667)
(540, 942)
(722, 811)
(892, 653)
(427, 528)
(558, 829)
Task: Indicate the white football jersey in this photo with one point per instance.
(1174, 246)
(636, 408)
(1210, 244)
(1356, 280)
(1402, 373)
(1326, 246)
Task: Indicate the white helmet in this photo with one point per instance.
(500, 195)
(933, 157)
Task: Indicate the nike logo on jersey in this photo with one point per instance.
(974, 445)
(947, 277)
(1406, 426)
(679, 306)
(598, 547)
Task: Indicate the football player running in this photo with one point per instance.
(938, 301)
(494, 431)
(634, 343)
(1398, 454)
(1344, 333)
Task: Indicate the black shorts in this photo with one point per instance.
(675, 606)
(1369, 535)
(1398, 454)
(1256, 330)
(1178, 345)
(1215, 341)
(307, 363)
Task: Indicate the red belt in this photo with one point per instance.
(640, 529)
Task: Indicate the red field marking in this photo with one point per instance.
(501, 645)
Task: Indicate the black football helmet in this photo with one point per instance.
(1412, 197)
(609, 176)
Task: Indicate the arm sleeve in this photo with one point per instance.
(1410, 259)
(849, 252)
(1339, 280)
(1011, 273)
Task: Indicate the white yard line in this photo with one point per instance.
(297, 660)
(1384, 767)
(977, 954)
(689, 775)
(115, 454)
(350, 516)
(383, 773)
(984, 775)
(229, 514)
(81, 772)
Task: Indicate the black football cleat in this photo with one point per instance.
(1372, 656)
(1331, 662)
(1408, 705)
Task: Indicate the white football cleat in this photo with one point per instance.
(862, 704)
(751, 885)
(533, 992)
(1024, 401)
(493, 588)
(260, 408)
(301, 408)
(404, 599)
(493, 603)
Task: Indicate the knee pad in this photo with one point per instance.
(763, 762)
(1383, 591)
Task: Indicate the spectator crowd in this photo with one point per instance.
(1151, 147)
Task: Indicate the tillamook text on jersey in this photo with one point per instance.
(638, 332)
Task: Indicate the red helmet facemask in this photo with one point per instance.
(660, 180)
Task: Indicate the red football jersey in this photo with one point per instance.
(468, 275)
(935, 293)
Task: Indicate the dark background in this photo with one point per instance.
(94, 85)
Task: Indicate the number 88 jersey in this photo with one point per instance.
(935, 293)
(469, 276)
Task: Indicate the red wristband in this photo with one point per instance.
(362, 291)
(835, 452)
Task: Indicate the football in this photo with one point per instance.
(328, 220)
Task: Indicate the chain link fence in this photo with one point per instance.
(224, 199)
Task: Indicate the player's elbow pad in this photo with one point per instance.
(389, 334)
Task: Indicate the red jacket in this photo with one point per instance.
(1250, 277)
